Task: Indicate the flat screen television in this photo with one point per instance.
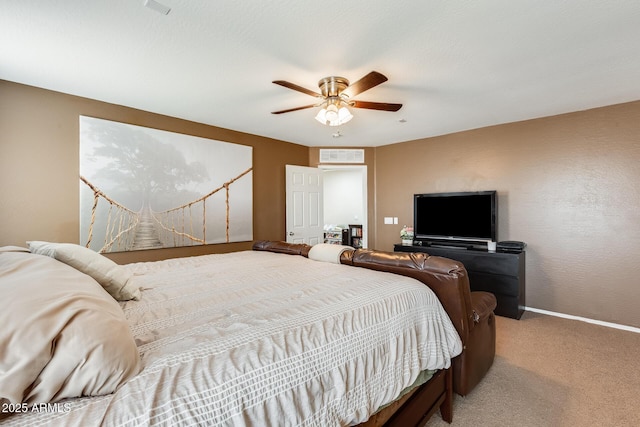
(455, 217)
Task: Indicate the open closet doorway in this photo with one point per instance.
(345, 200)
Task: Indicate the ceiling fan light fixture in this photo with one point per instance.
(335, 97)
(322, 116)
(331, 114)
(344, 115)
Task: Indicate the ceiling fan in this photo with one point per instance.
(336, 95)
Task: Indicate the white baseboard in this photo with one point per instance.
(585, 319)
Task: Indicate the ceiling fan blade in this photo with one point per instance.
(383, 106)
(293, 109)
(296, 87)
(372, 79)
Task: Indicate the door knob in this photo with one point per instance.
(291, 233)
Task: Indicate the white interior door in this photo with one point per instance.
(305, 223)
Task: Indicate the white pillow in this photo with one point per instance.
(114, 278)
(327, 252)
(62, 335)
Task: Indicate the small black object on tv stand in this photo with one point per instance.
(449, 244)
(501, 272)
(445, 246)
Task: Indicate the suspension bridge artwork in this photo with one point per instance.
(143, 188)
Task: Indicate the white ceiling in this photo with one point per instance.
(454, 64)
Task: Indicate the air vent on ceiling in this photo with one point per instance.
(334, 155)
(158, 7)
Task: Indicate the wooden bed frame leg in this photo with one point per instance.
(446, 409)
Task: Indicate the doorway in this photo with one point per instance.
(345, 197)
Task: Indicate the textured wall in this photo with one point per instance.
(568, 185)
(39, 164)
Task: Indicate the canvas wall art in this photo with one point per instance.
(143, 188)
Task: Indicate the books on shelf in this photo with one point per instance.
(355, 235)
(333, 235)
(350, 235)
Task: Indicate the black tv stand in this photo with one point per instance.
(501, 273)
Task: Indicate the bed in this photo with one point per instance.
(284, 334)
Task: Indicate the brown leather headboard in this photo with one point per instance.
(447, 278)
(282, 247)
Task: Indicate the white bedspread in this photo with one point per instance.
(257, 338)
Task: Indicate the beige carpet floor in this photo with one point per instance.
(551, 371)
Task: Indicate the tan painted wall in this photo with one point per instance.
(568, 185)
(39, 165)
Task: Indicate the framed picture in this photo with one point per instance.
(143, 188)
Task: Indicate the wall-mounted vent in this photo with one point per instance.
(333, 155)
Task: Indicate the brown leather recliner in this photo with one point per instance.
(471, 312)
